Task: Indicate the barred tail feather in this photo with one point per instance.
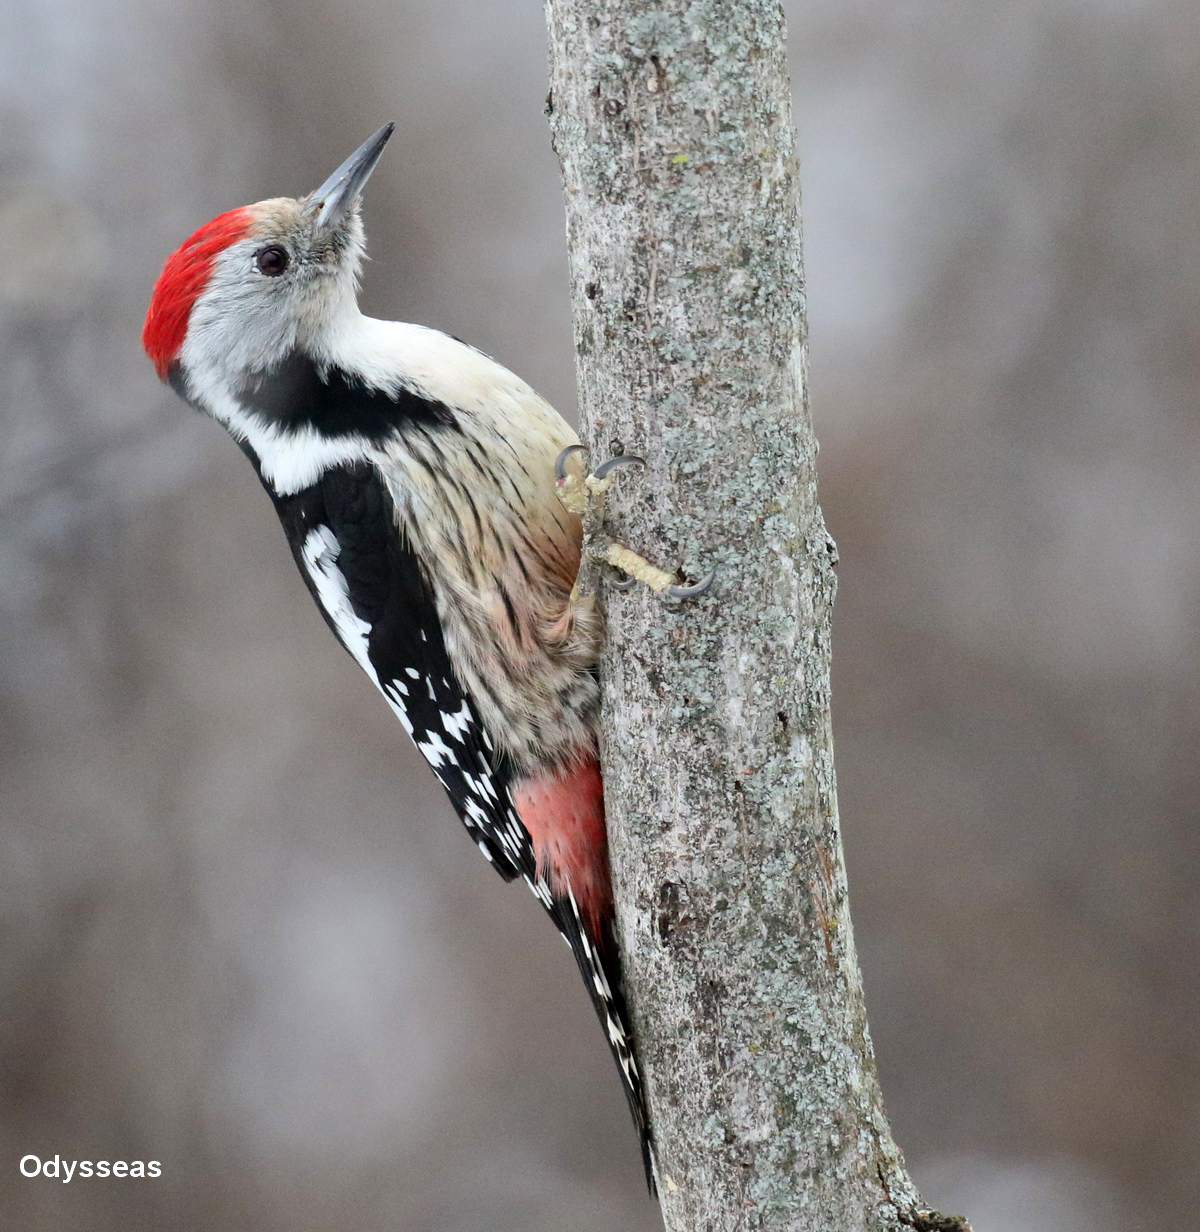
(562, 811)
(600, 965)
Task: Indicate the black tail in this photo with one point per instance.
(600, 965)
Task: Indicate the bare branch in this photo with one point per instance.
(674, 129)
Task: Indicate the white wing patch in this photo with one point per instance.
(321, 550)
(320, 554)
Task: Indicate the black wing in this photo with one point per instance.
(373, 593)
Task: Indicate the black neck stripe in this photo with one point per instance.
(300, 393)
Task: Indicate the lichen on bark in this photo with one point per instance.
(674, 131)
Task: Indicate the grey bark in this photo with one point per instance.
(674, 131)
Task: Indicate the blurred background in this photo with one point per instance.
(243, 933)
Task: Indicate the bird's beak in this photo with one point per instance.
(336, 197)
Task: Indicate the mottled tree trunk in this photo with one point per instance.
(674, 129)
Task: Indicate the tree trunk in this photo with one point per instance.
(674, 129)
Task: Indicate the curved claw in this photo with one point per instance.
(625, 459)
(625, 583)
(560, 463)
(690, 592)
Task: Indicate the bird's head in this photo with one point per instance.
(250, 286)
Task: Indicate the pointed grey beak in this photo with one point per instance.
(336, 197)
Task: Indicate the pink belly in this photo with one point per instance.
(564, 814)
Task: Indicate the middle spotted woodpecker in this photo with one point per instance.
(416, 482)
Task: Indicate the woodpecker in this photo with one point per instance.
(418, 483)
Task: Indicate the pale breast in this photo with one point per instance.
(479, 506)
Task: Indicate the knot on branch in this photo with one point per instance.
(934, 1221)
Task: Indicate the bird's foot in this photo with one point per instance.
(583, 494)
(638, 569)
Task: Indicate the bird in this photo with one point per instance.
(436, 508)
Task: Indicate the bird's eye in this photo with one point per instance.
(271, 261)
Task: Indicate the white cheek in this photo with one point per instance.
(243, 321)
